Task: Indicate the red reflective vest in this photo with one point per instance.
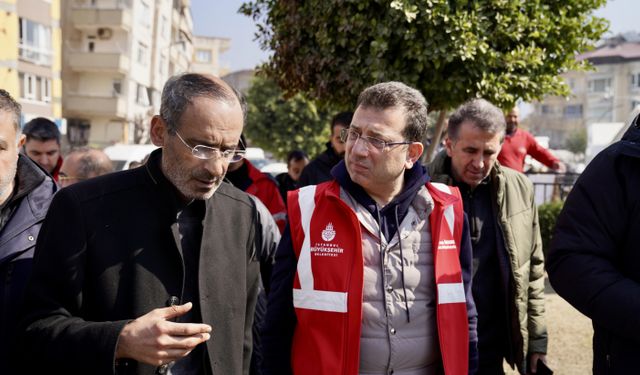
(267, 191)
(327, 289)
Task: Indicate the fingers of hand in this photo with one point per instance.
(173, 311)
(185, 329)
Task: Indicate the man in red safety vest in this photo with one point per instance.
(373, 271)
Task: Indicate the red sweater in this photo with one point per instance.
(516, 147)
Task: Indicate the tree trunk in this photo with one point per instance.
(435, 141)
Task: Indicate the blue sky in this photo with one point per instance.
(220, 18)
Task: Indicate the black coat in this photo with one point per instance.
(319, 169)
(594, 260)
(26, 211)
(109, 251)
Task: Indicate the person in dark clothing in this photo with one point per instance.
(25, 194)
(152, 270)
(319, 169)
(296, 161)
(594, 262)
(43, 144)
(243, 175)
(504, 232)
(354, 286)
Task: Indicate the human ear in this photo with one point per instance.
(158, 131)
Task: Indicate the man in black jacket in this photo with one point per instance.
(147, 271)
(594, 262)
(319, 169)
(25, 194)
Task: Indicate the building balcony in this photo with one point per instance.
(92, 18)
(98, 62)
(79, 105)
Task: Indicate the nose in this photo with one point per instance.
(216, 167)
(360, 147)
(478, 161)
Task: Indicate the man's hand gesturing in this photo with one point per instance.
(155, 340)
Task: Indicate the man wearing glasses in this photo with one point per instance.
(152, 270)
(372, 274)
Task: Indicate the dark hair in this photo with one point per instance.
(181, 89)
(481, 113)
(8, 104)
(296, 155)
(397, 94)
(341, 119)
(41, 129)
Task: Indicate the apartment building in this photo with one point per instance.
(206, 55)
(117, 56)
(607, 94)
(30, 56)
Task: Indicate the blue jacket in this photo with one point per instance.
(594, 259)
(30, 202)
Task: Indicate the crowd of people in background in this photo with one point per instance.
(361, 260)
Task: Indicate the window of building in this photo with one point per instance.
(164, 27)
(35, 42)
(573, 111)
(45, 92)
(142, 54)
(635, 81)
(28, 86)
(117, 87)
(203, 56)
(145, 15)
(142, 96)
(601, 85)
(163, 64)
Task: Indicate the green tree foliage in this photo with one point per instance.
(577, 142)
(547, 216)
(280, 125)
(451, 50)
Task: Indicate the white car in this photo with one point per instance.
(274, 168)
(122, 155)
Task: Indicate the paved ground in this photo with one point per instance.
(570, 335)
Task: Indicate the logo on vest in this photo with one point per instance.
(446, 245)
(327, 249)
(328, 234)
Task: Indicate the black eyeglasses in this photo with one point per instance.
(205, 152)
(352, 136)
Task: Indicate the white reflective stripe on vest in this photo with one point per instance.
(306, 200)
(448, 211)
(320, 300)
(451, 293)
(306, 297)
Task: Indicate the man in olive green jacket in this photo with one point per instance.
(508, 281)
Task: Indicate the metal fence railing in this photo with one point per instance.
(552, 186)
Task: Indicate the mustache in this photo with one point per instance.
(206, 176)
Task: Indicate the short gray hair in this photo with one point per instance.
(397, 94)
(484, 115)
(91, 162)
(10, 105)
(181, 89)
